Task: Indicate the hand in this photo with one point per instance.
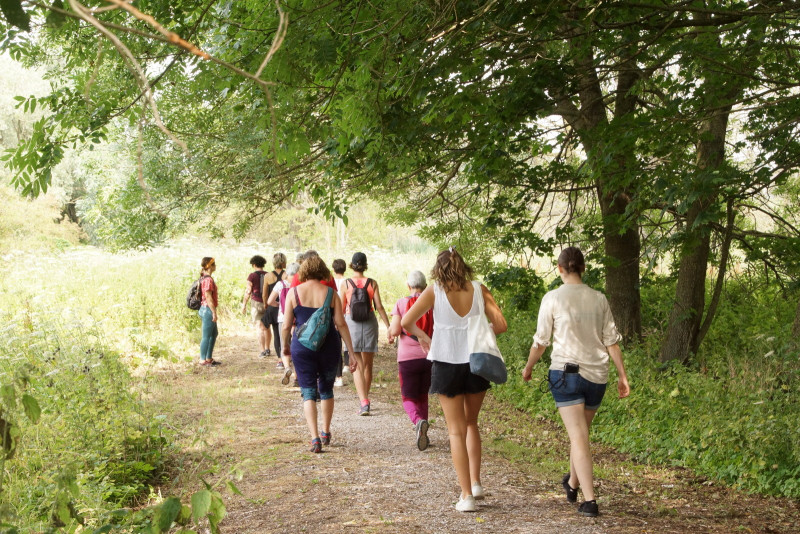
(353, 365)
(244, 308)
(389, 338)
(214, 317)
(623, 388)
(425, 343)
(527, 373)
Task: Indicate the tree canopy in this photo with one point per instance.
(652, 134)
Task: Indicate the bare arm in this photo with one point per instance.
(288, 323)
(409, 322)
(394, 328)
(493, 312)
(344, 331)
(533, 357)
(273, 297)
(376, 299)
(247, 291)
(623, 388)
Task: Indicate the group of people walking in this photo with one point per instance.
(318, 313)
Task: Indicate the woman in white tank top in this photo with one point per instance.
(454, 298)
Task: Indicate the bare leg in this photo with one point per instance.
(310, 411)
(456, 420)
(363, 375)
(573, 477)
(580, 455)
(327, 414)
(267, 336)
(472, 407)
(261, 332)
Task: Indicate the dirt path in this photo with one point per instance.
(237, 418)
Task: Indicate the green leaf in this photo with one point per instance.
(54, 18)
(8, 395)
(201, 502)
(233, 488)
(32, 409)
(167, 513)
(15, 15)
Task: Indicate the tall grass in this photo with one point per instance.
(84, 330)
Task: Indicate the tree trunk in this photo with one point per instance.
(796, 325)
(622, 247)
(690, 293)
(622, 269)
(681, 340)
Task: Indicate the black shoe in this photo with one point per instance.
(588, 508)
(572, 493)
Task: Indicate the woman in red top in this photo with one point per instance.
(208, 311)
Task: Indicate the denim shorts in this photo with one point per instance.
(569, 389)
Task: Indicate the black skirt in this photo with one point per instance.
(452, 379)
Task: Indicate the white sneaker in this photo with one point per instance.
(338, 382)
(466, 504)
(478, 491)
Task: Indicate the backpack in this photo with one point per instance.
(271, 286)
(195, 297)
(312, 333)
(425, 322)
(282, 297)
(360, 305)
(256, 291)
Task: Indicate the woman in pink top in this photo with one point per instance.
(208, 311)
(414, 367)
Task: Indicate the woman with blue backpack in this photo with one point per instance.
(315, 347)
(413, 366)
(360, 298)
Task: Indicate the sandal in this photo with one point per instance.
(326, 438)
(316, 445)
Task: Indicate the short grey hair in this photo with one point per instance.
(416, 280)
(292, 269)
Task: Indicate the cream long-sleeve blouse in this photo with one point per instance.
(578, 320)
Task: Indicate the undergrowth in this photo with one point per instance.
(729, 414)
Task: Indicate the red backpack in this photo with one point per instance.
(425, 322)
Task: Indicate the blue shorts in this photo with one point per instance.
(569, 389)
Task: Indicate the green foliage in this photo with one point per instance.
(515, 288)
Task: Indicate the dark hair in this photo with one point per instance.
(258, 261)
(571, 260)
(339, 266)
(206, 262)
(313, 268)
(452, 271)
(359, 262)
(279, 260)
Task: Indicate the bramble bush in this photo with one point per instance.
(730, 414)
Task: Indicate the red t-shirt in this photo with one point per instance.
(255, 278)
(209, 289)
(330, 283)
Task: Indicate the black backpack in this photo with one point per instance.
(195, 296)
(360, 304)
(270, 287)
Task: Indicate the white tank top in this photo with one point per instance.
(449, 340)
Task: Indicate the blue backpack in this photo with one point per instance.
(313, 332)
